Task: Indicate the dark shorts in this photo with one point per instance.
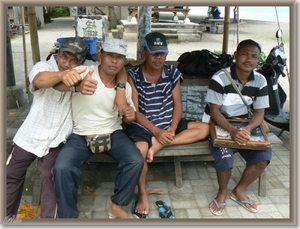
(138, 133)
(224, 157)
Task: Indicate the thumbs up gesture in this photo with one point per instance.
(72, 76)
(88, 85)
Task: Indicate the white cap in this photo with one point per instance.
(115, 45)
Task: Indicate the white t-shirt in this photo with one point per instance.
(92, 114)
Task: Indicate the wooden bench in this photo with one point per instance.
(193, 98)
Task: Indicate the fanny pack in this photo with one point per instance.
(99, 143)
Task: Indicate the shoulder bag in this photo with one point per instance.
(222, 138)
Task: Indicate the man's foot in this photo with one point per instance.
(156, 146)
(117, 212)
(142, 205)
(246, 203)
(140, 209)
(217, 208)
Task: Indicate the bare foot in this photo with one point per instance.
(117, 212)
(142, 205)
(156, 146)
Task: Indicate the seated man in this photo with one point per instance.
(157, 94)
(93, 115)
(46, 127)
(224, 102)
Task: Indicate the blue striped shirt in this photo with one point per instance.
(155, 100)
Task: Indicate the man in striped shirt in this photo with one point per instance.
(156, 92)
(224, 102)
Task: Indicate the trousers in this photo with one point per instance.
(16, 167)
(68, 168)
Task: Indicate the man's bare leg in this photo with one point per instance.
(223, 179)
(250, 174)
(142, 205)
(156, 146)
(196, 131)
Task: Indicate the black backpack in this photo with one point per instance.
(202, 63)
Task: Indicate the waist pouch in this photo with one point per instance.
(99, 143)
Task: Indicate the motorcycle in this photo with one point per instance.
(272, 69)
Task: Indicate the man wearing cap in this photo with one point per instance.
(157, 95)
(46, 127)
(92, 115)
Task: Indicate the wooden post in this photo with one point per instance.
(33, 34)
(226, 29)
(24, 48)
(144, 27)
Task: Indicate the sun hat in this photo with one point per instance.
(156, 42)
(76, 46)
(115, 45)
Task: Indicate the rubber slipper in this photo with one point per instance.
(164, 210)
(243, 202)
(217, 213)
(140, 215)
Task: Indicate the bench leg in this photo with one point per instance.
(178, 174)
(262, 180)
(37, 188)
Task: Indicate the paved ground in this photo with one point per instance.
(199, 178)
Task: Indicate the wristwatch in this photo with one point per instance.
(73, 89)
(121, 85)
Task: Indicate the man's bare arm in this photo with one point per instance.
(49, 79)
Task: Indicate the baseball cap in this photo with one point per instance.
(114, 45)
(156, 42)
(76, 46)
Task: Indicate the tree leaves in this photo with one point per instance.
(26, 211)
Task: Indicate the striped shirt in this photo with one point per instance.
(221, 92)
(155, 100)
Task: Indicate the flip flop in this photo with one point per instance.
(164, 210)
(217, 213)
(243, 202)
(140, 215)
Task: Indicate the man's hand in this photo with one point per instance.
(88, 85)
(164, 137)
(241, 136)
(120, 101)
(129, 114)
(72, 77)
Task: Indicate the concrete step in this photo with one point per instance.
(164, 30)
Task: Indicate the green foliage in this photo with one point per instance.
(262, 59)
(59, 11)
(217, 52)
(112, 26)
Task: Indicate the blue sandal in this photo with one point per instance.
(164, 210)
